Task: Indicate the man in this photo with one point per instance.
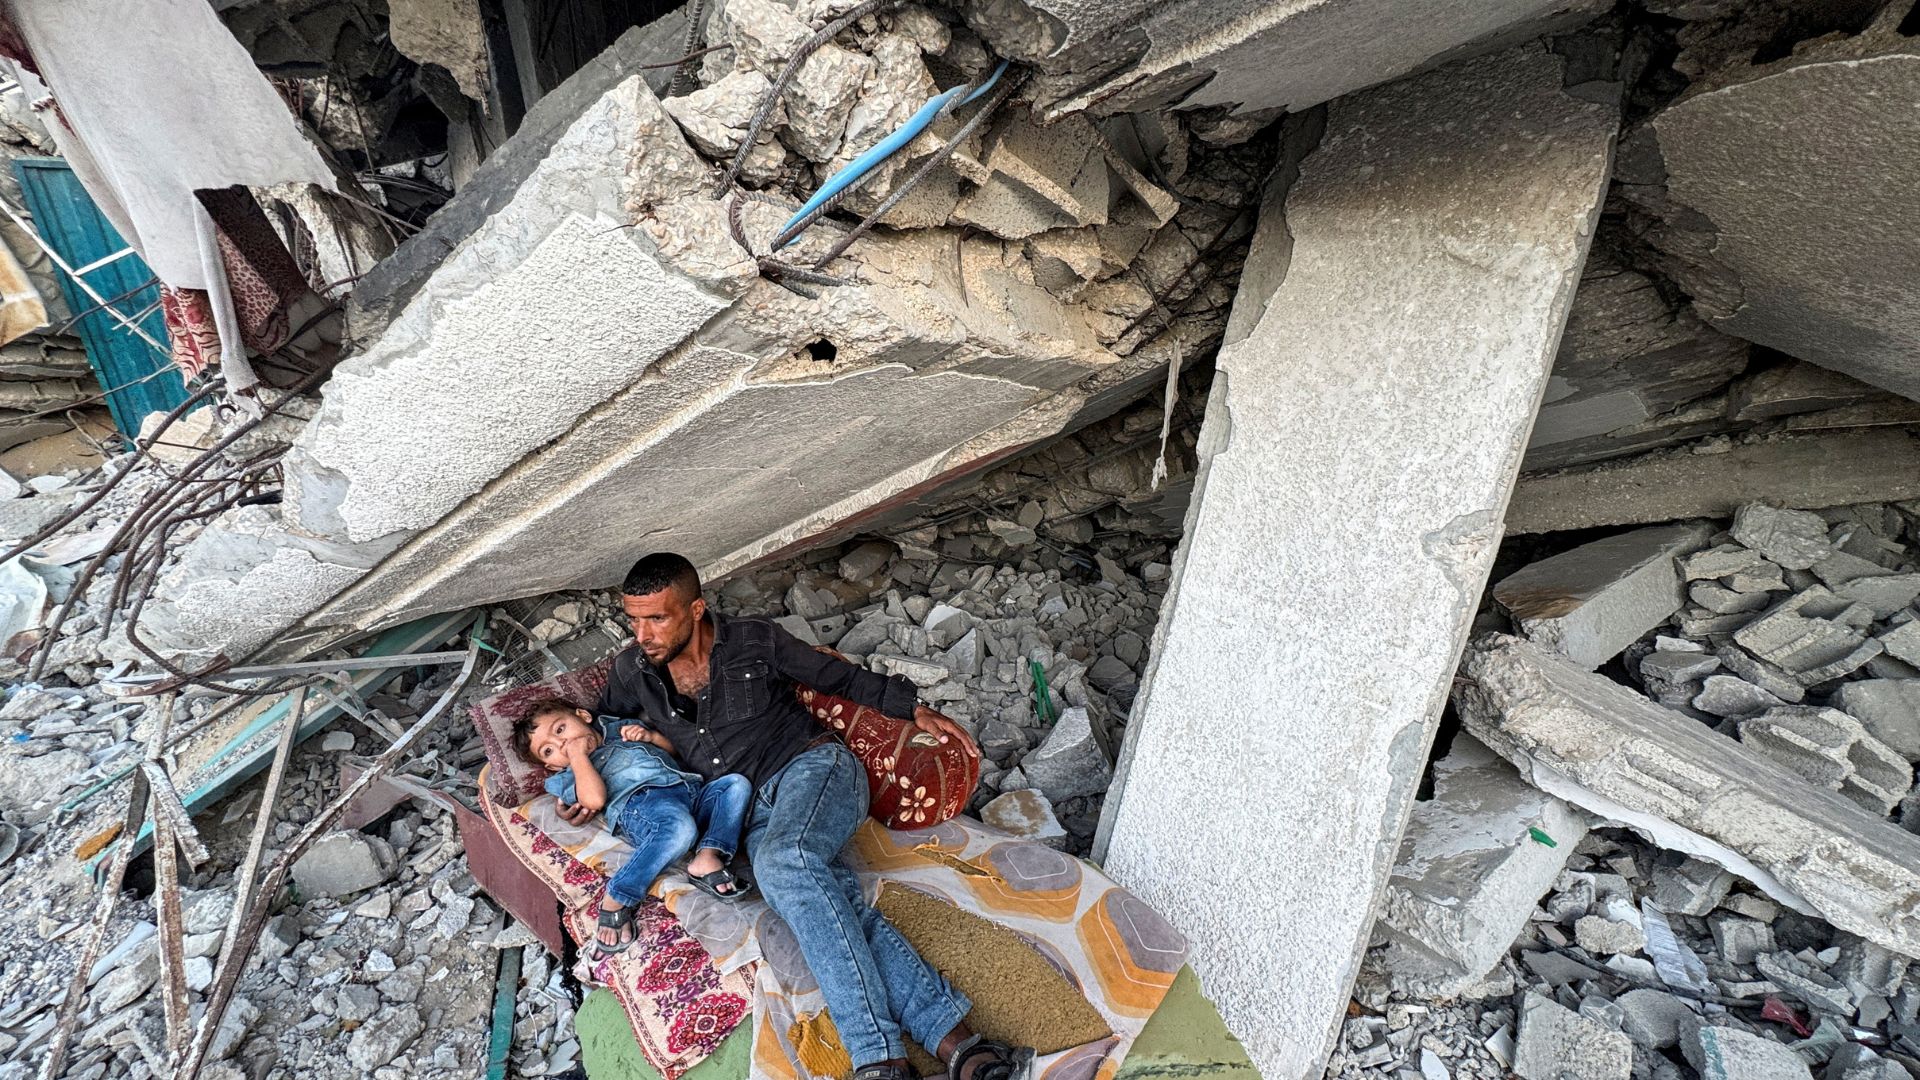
(722, 691)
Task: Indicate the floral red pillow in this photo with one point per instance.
(914, 779)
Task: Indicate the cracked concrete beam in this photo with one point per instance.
(1437, 231)
(1798, 471)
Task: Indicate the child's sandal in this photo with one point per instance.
(620, 921)
(711, 883)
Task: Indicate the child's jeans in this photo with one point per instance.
(664, 823)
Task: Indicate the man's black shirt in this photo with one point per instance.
(748, 719)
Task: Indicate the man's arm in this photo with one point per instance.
(893, 695)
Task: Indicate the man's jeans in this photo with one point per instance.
(874, 983)
(662, 823)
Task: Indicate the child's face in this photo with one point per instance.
(556, 733)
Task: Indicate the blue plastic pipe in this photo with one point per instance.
(888, 146)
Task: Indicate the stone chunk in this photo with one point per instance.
(1787, 638)
(1726, 695)
(343, 863)
(1555, 1043)
(1721, 561)
(1597, 743)
(381, 1038)
(1740, 940)
(1833, 750)
(1795, 539)
(1722, 1053)
(1026, 815)
(1903, 642)
(1888, 710)
(1694, 887)
(1070, 762)
(1819, 991)
(1470, 869)
(866, 560)
(1654, 1018)
(821, 97)
(1677, 667)
(1761, 674)
(1601, 935)
(1595, 600)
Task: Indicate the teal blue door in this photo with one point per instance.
(136, 372)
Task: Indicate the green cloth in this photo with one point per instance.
(1185, 1038)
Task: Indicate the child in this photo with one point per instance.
(649, 801)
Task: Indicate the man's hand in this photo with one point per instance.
(576, 814)
(935, 724)
(634, 733)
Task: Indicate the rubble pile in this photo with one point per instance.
(1647, 963)
(1083, 206)
(1035, 649)
(1800, 638)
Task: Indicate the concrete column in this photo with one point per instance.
(1358, 453)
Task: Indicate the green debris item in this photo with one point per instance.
(506, 989)
(1042, 697)
(1541, 837)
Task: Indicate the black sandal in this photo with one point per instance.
(620, 921)
(884, 1070)
(710, 884)
(1002, 1062)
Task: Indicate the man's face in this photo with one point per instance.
(556, 733)
(663, 622)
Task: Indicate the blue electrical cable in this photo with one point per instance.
(886, 147)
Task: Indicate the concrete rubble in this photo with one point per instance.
(1165, 436)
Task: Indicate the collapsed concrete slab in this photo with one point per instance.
(1256, 56)
(1837, 468)
(1475, 861)
(605, 374)
(1607, 749)
(1595, 600)
(1433, 210)
(1835, 279)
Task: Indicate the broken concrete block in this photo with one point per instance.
(1903, 642)
(383, 1037)
(1471, 867)
(766, 33)
(1416, 238)
(1603, 936)
(1761, 674)
(1833, 750)
(343, 863)
(1693, 887)
(1800, 645)
(1794, 539)
(866, 560)
(1025, 815)
(715, 118)
(1883, 594)
(821, 97)
(1603, 746)
(1676, 666)
(1595, 600)
(1740, 940)
(1725, 601)
(1554, 1042)
(1724, 1053)
(1728, 695)
(1654, 1018)
(1888, 708)
(1818, 990)
(1070, 761)
(1721, 561)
